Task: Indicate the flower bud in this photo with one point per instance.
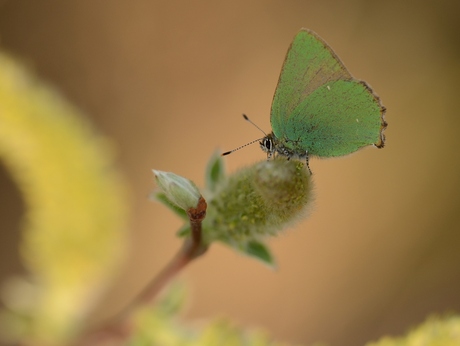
(179, 190)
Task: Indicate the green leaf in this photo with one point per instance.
(260, 251)
(215, 171)
(184, 231)
(161, 197)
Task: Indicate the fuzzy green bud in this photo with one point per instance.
(258, 201)
(179, 190)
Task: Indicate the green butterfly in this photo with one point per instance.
(318, 108)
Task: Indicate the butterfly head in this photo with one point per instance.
(267, 144)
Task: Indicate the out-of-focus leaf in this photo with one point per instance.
(184, 230)
(161, 197)
(260, 251)
(159, 326)
(435, 331)
(215, 171)
(74, 231)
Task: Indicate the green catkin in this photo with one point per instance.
(258, 201)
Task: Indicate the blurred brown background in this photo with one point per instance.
(167, 81)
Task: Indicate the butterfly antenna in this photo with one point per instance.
(257, 140)
(231, 151)
(247, 119)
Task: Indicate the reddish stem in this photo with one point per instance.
(119, 328)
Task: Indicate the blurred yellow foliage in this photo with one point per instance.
(160, 326)
(435, 331)
(76, 217)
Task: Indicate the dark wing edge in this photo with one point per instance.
(383, 124)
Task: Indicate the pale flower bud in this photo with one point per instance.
(179, 190)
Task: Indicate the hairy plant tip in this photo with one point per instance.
(178, 190)
(258, 201)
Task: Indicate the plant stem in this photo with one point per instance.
(119, 328)
(191, 249)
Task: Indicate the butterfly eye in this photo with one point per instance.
(268, 144)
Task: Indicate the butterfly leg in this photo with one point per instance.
(269, 156)
(307, 162)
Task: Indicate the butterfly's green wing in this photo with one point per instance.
(319, 107)
(328, 124)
